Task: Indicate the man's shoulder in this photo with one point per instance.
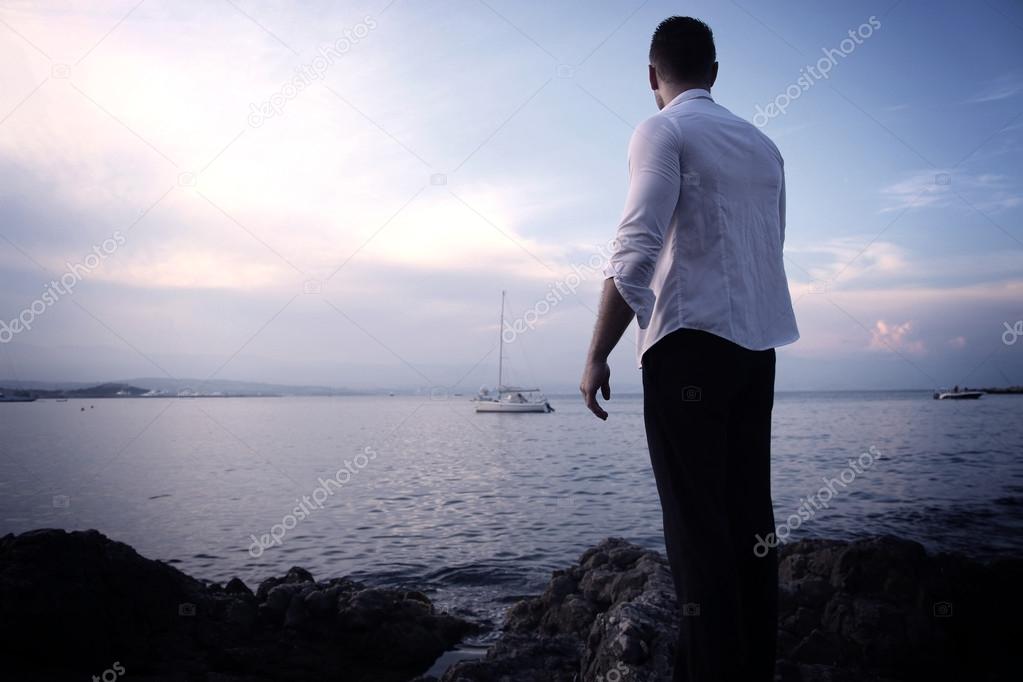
(769, 143)
(660, 123)
(706, 122)
(673, 126)
(659, 129)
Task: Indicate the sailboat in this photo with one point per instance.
(509, 398)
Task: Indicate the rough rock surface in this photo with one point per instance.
(77, 605)
(875, 610)
(74, 604)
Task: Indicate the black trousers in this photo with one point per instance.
(707, 408)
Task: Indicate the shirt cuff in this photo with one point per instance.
(640, 298)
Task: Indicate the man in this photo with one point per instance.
(699, 264)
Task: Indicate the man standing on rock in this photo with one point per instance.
(698, 262)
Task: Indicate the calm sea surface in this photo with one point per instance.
(478, 509)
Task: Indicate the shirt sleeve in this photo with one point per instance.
(654, 186)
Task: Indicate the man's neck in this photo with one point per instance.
(668, 94)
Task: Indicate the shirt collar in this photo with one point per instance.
(689, 94)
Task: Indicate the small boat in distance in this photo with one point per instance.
(956, 394)
(509, 398)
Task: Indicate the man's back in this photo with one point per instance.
(719, 266)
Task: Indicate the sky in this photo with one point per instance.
(336, 193)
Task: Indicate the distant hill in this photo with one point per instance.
(163, 387)
(997, 390)
(230, 387)
(108, 390)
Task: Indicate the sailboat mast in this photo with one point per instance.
(500, 356)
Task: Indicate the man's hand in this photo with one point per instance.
(596, 376)
(612, 319)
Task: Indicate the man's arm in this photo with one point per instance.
(654, 183)
(613, 319)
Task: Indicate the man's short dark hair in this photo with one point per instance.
(682, 50)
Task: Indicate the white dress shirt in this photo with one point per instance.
(699, 245)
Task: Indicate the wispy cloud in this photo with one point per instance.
(877, 267)
(1006, 86)
(843, 259)
(939, 187)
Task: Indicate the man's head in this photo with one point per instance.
(682, 57)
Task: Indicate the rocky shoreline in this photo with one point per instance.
(76, 604)
(873, 610)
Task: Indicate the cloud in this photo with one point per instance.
(895, 337)
(1006, 86)
(944, 187)
(863, 263)
(822, 266)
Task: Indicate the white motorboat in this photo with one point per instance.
(956, 394)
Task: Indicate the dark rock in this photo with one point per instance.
(519, 658)
(236, 586)
(279, 598)
(611, 617)
(297, 615)
(83, 601)
(874, 610)
(241, 614)
(298, 575)
(265, 587)
(418, 596)
(320, 602)
(71, 604)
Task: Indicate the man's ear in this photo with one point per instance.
(654, 85)
(713, 75)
